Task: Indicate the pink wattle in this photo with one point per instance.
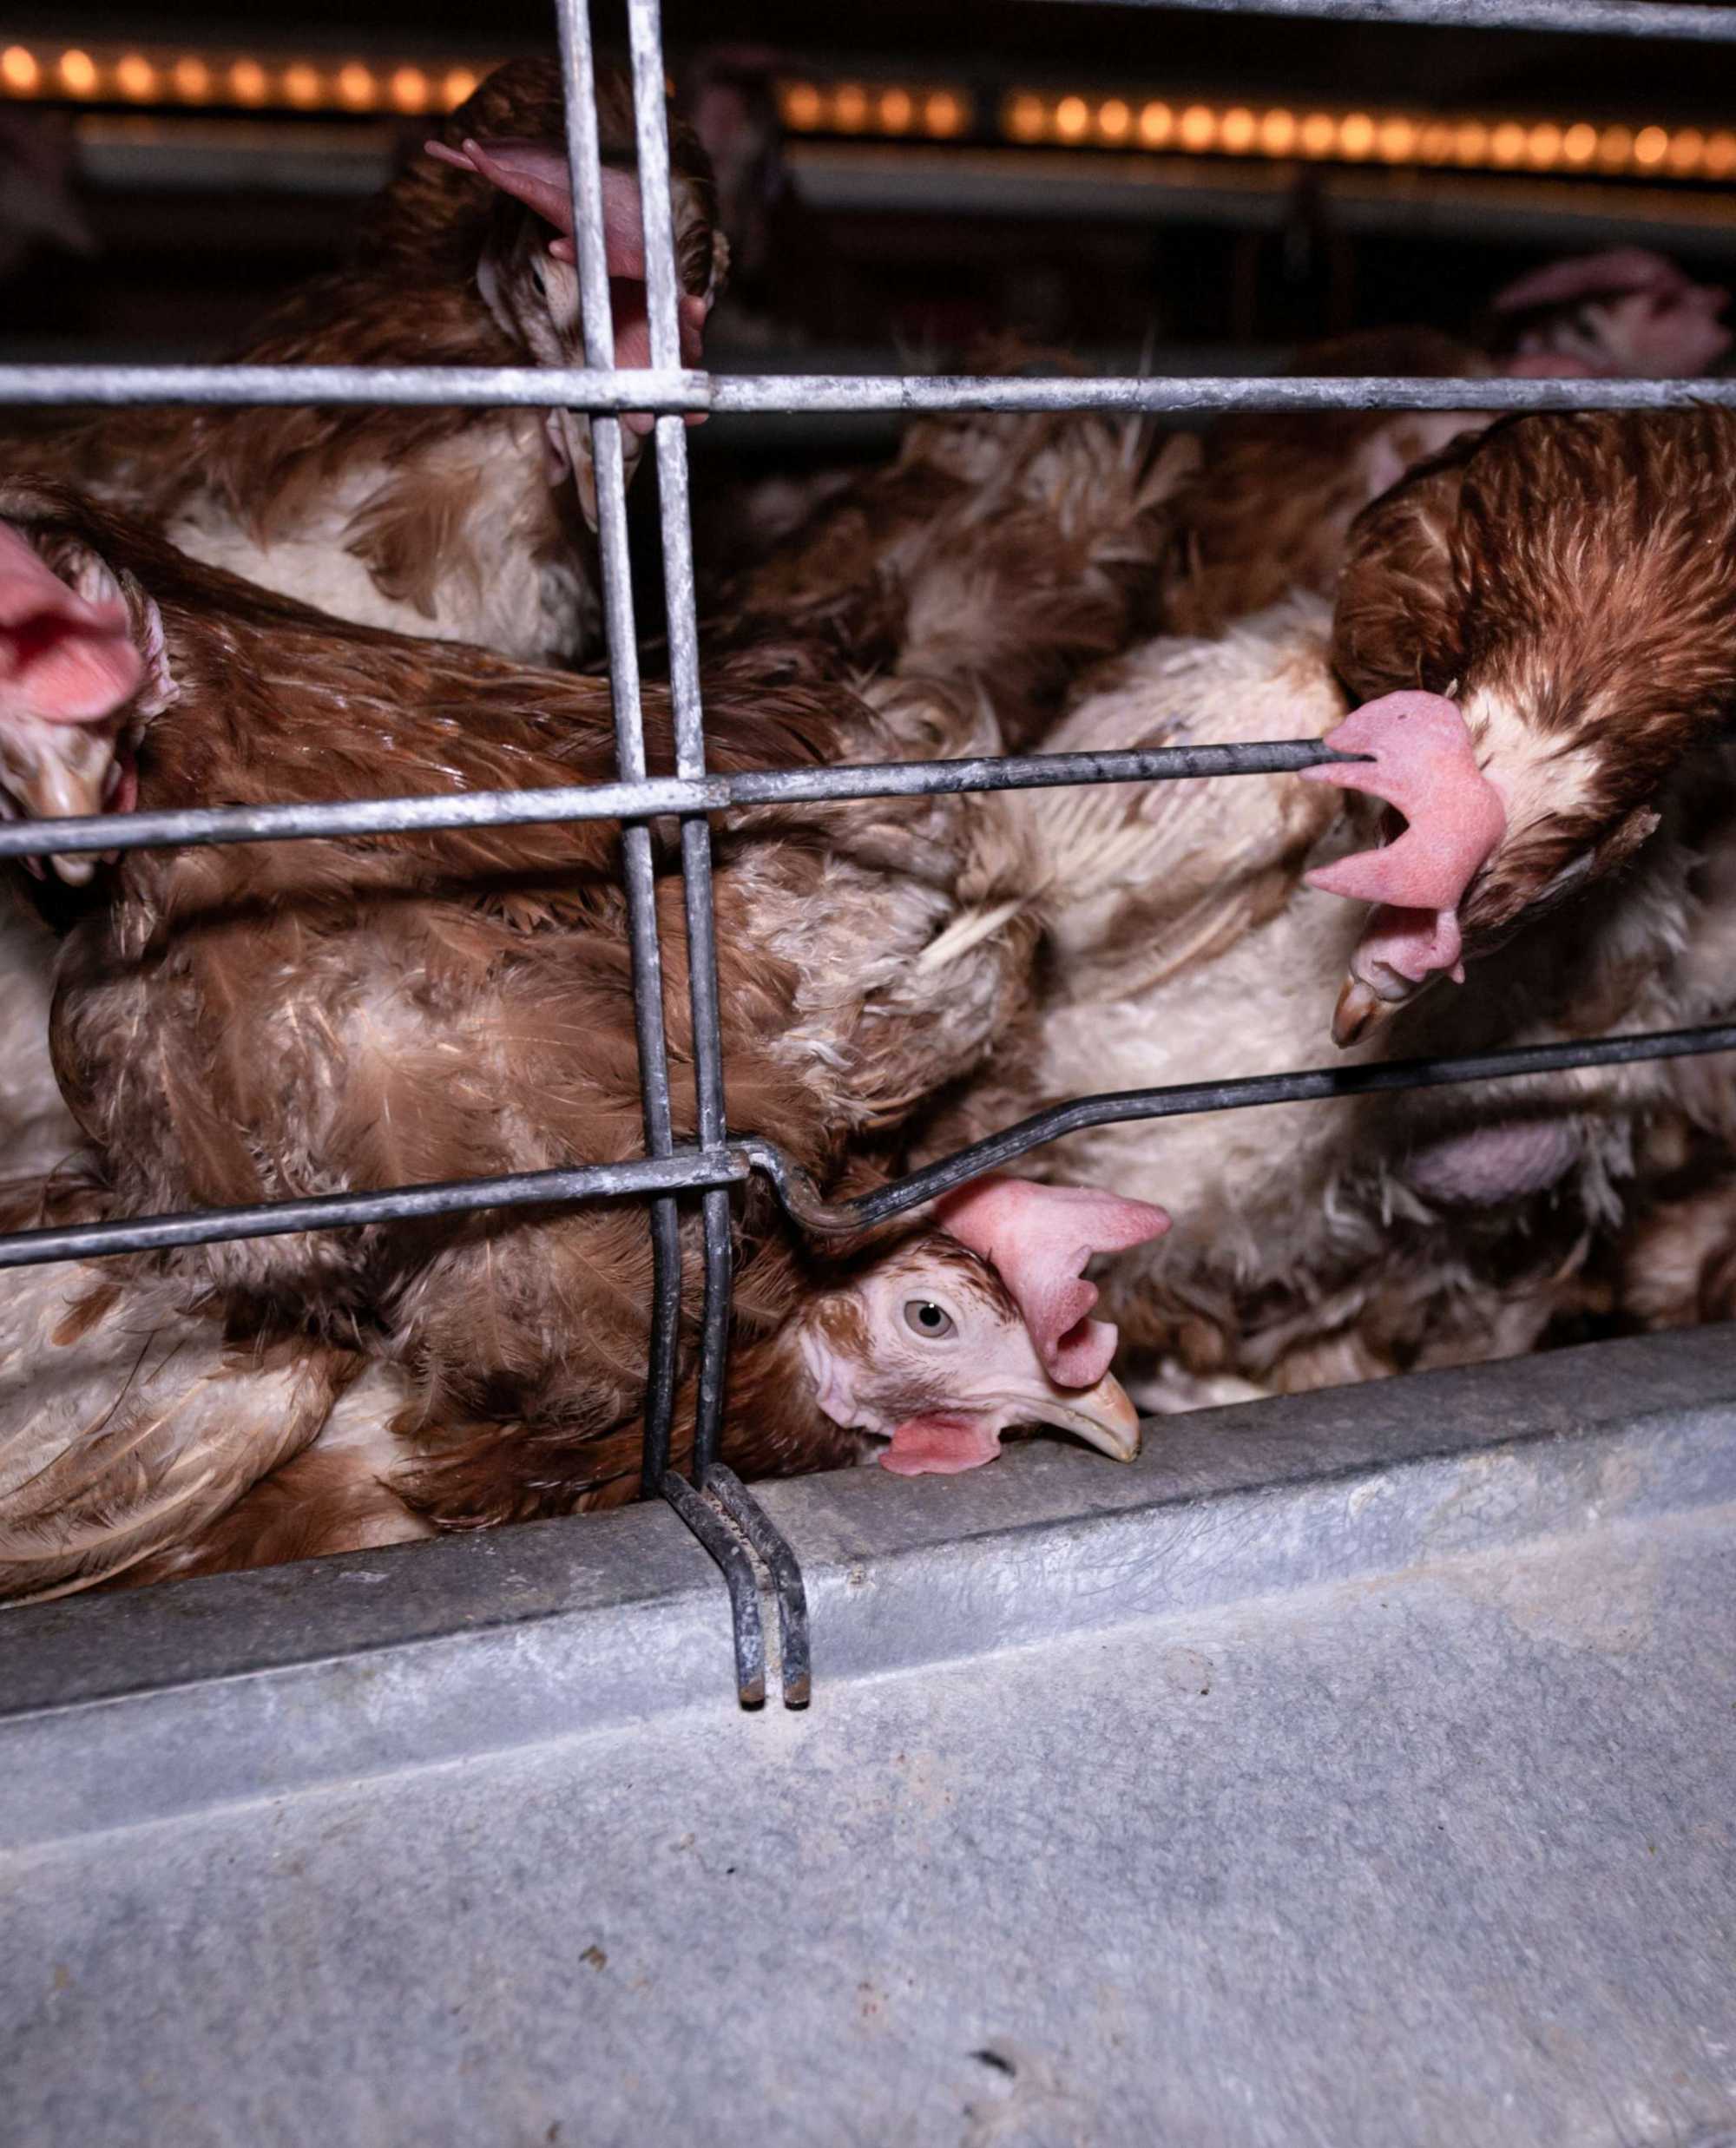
(939, 1446)
(1410, 943)
(1505, 1159)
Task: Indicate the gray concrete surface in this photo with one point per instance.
(1353, 1769)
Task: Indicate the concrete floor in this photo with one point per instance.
(1351, 1770)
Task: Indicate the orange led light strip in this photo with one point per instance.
(1193, 127)
(935, 109)
(1368, 137)
(97, 75)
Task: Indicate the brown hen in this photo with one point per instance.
(1563, 580)
(239, 1023)
(465, 523)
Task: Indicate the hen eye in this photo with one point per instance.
(923, 1316)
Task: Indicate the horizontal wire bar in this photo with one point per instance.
(487, 387)
(802, 1200)
(335, 1212)
(692, 1168)
(653, 796)
(1595, 18)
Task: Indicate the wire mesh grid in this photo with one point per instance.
(716, 1162)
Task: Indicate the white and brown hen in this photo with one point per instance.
(465, 523)
(1267, 512)
(1562, 578)
(143, 1438)
(242, 1023)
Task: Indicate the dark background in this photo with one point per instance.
(182, 265)
(870, 254)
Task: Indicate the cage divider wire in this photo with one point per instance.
(656, 796)
(583, 149)
(663, 295)
(714, 1164)
(688, 1169)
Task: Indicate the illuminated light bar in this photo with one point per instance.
(119, 74)
(126, 74)
(923, 111)
(135, 76)
(1363, 136)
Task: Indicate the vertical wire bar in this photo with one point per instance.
(663, 292)
(749, 1633)
(579, 81)
(796, 1646)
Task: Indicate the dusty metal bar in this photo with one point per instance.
(687, 1168)
(1581, 18)
(608, 470)
(693, 1169)
(653, 796)
(803, 1201)
(590, 388)
(795, 1652)
(663, 294)
(938, 392)
(739, 1578)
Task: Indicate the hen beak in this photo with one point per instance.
(59, 771)
(569, 455)
(1364, 1008)
(1360, 1010)
(1101, 1415)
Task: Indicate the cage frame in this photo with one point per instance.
(711, 1501)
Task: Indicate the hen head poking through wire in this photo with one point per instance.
(980, 1326)
(73, 668)
(1538, 625)
(210, 1456)
(529, 273)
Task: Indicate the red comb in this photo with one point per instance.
(1423, 763)
(537, 174)
(62, 660)
(1038, 1239)
(1609, 274)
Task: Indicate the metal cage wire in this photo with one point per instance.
(728, 1521)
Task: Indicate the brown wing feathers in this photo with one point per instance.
(257, 1022)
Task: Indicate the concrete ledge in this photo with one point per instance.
(119, 1711)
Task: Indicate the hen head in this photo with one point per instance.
(1621, 314)
(981, 1325)
(528, 272)
(81, 663)
(1540, 624)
